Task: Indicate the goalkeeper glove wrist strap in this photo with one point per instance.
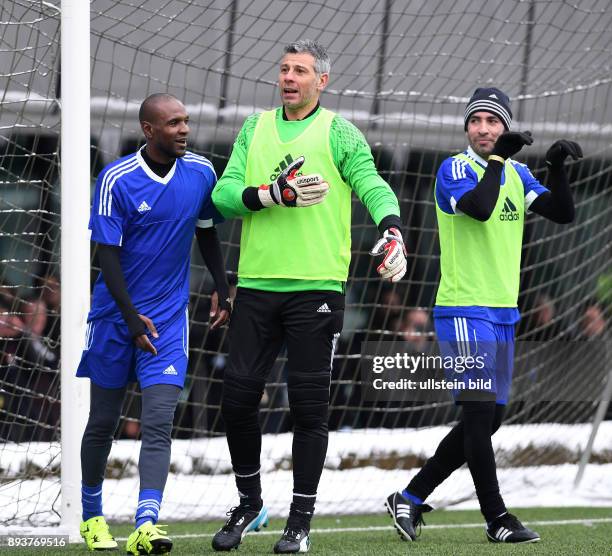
(389, 221)
(250, 198)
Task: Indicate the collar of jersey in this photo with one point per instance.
(151, 173)
(286, 125)
(475, 157)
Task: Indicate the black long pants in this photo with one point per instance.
(468, 441)
(309, 324)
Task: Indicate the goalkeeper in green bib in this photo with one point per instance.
(295, 251)
(481, 198)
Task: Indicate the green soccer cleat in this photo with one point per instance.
(148, 539)
(96, 534)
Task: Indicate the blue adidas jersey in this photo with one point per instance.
(454, 179)
(153, 220)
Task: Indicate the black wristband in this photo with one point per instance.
(250, 198)
(390, 221)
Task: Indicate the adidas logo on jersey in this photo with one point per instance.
(281, 166)
(509, 211)
(324, 308)
(143, 207)
(170, 370)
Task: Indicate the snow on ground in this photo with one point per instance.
(210, 491)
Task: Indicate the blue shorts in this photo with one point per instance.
(491, 348)
(111, 360)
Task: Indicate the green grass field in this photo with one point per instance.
(569, 531)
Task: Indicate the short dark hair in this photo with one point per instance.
(144, 114)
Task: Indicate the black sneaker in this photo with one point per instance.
(507, 528)
(242, 520)
(294, 540)
(406, 515)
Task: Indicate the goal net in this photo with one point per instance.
(402, 71)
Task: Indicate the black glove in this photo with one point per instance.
(560, 150)
(511, 142)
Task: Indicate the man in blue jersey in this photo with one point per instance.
(147, 207)
(481, 198)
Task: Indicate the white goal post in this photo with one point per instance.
(75, 252)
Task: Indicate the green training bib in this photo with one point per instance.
(306, 243)
(480, 262)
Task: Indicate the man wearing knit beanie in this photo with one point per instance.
(490, 100)
(482, 196)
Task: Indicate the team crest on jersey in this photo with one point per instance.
(509, 211)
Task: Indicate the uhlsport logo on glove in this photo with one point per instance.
(307, 180)
(393, 258)
(291, 189)
(394, 264)
(298, 181)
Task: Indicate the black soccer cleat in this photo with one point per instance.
(507, 528)
(242, 520)
(406, 515)
(294, 540)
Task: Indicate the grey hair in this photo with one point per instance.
(322, 63)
